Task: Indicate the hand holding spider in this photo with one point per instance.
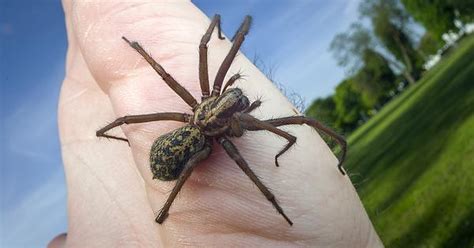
(106, 192)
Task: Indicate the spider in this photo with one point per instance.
(222, 114)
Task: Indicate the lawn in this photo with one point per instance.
(413, 163)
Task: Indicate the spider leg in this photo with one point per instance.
(231, 81)
(299, 120)
(203, 70)
(169, 80)
(188, 169)
(237, 42)
(253, 124)
(129, 119)
(232, 151)
(253, 106)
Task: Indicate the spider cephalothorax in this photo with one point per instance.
(214, 114)
(220, 115)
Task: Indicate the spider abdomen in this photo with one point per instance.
(171, 151)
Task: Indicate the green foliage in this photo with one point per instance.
(349, 47)
(465, 8)
(428, 44)
(368, 89)
(412, 163)
(390, 21)
(324, 110)
(433, 15)
(438, 16)
(349, 106)
(375, 80)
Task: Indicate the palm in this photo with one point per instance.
(112, 197)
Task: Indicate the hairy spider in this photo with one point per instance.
(220, 115)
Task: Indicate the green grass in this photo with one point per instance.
(413, 163)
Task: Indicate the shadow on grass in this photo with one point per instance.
(424, 227)
(433, 134)
(414, 140)
(463, 234)
(423, 127)
(391, 156)
(387, 112)
(407, 95)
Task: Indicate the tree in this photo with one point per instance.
(349, 107)
(390, 24)
(428, 45)
(371, 73)
(324, 110)
(349, 47)
(438, 16)
(375, 80)
(465, 8)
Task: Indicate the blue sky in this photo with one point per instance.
(291, 36)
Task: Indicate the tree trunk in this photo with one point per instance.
(404, 71)
(409, 77)
(408, 64)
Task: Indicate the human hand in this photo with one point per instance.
(112, 199)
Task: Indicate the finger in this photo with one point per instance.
(58, 241)
(104, 191)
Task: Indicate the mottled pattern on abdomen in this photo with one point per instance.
(171, 151)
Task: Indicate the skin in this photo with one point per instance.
(112, 199)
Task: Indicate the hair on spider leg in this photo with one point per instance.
(238, 75)
(257, 103)
(241, 73)
(243, 77)
(260, 98)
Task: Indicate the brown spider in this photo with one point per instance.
(219, 116)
